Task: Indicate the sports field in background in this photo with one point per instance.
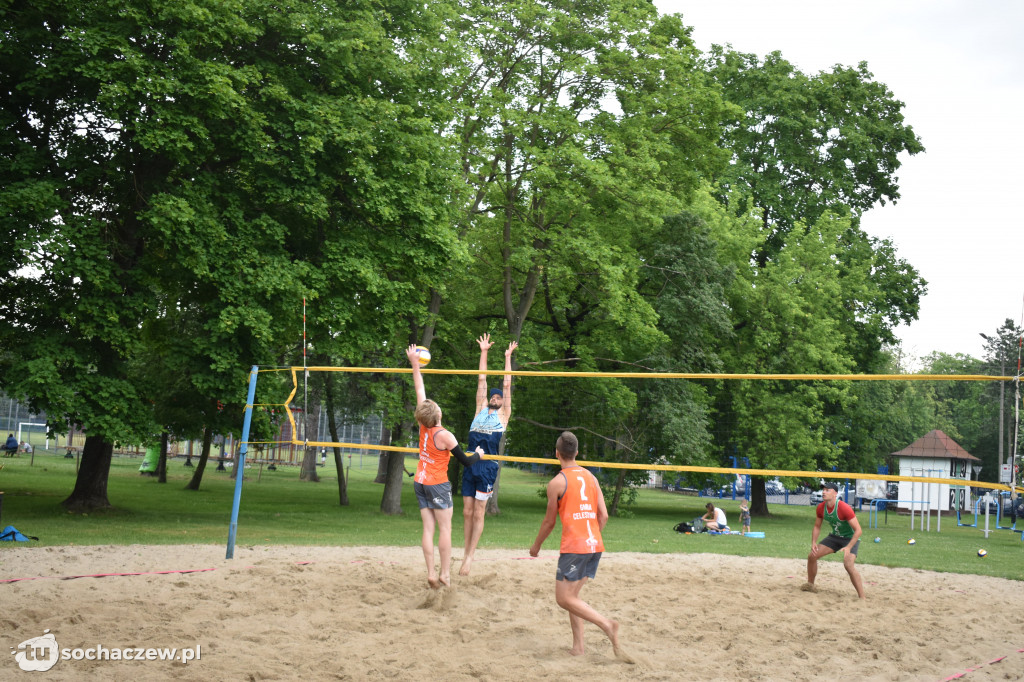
(277, 508)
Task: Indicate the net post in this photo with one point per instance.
(240, 464)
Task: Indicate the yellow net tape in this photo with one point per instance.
(672, 375)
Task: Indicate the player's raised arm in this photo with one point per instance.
(417, 377)
(481, 383)
(506, 408)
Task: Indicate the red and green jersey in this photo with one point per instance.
(839, 518)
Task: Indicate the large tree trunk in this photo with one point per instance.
(307, 472)
(388, 437)
(90, 491)
(432, 311)
(332, 426)
(382, 463)
(620, 483)
(161, 465)
(307, 469)
(391, 500)
(758, 498)
(197, 475)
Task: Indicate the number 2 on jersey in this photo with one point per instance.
(583, 487)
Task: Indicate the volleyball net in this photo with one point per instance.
(680, 429)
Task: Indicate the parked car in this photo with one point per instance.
(993, 505)
(892, 492)
(817, 497)
(774, 488)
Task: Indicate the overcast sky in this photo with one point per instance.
(959, 68)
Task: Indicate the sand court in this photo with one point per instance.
(358, 613)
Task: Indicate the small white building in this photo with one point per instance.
(934, 455)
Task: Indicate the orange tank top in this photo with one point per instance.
(577, 508)
(433, 465)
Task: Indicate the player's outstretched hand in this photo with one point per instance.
(413, 355)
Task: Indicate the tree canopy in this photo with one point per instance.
(580, 178)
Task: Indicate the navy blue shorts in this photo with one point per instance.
(478, 479)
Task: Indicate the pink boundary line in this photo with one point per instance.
(979, 667)
(188, 570)
(103, 575)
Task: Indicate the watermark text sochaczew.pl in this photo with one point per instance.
(39, 654)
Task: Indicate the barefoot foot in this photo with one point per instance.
(808, 587)
(613, 634)
(467, 563)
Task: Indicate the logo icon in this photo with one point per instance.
(38, 654)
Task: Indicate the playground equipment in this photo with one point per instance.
(883, 502)
(988, 499)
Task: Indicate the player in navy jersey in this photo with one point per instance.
(493, 410)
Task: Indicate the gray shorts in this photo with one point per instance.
(574, 567)
(837, 542)
(434, 496)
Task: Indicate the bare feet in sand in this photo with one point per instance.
(614, 634)
(619, 652)
(467, 563)
(446, 580)
(433, 582)
(808, 587)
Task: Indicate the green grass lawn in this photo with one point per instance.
(278, 509)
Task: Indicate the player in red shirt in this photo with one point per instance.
(844, 536)
(575, 497)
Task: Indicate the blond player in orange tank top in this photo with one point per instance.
(431, 485)
(575, 497)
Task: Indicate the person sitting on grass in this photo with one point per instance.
(714, 519)
(11, 446)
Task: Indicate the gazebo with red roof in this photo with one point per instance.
(935, 455)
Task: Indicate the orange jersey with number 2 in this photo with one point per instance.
(577, 507)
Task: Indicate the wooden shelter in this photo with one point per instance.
(934, 455)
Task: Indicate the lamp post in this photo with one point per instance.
(1002, 391)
